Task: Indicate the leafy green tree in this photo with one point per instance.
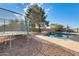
(36, 14)
(33, 27)
(57, 27)
(13, 25)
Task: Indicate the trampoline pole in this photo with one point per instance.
(10, 42)
(4, 26)
(10, 46)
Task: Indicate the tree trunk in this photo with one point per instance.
(39, 29)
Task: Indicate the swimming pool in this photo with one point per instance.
(61, 35)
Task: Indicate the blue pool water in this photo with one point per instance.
(61, 35)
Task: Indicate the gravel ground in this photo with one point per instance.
(21, 46)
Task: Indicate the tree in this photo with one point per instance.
(67, 28)
(22, 25)
(13, 25)
(47, 23)
(57, 27)
(36, 14)
(33, 27)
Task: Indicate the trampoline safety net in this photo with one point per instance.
(12, 22)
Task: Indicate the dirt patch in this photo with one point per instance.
(21, 46)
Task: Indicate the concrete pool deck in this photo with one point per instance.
(67, 43)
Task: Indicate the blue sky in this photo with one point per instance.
(62, 13)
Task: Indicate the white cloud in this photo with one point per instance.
(40, 4)
(25, 9)
(19, 17)
(31, 3)
(47, 10)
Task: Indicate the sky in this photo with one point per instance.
(61, 13)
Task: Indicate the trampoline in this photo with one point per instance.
(13, 23)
